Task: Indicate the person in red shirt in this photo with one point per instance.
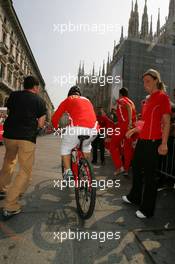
(126, 116)
(153, 137)
(104, 123)
(83, 122)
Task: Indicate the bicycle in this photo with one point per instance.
(85, 193)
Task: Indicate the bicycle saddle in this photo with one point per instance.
(82, 137)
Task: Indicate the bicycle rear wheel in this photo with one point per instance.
(85, 194)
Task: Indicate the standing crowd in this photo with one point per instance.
(137, 140)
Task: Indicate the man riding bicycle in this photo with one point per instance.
(83, 122)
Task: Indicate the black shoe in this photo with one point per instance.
(94, 162)
(9, 214)
(2, 195)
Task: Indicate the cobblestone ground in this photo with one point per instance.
(32, 236)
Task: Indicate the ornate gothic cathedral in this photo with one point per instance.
(139, 50)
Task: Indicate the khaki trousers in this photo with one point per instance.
(23, 150)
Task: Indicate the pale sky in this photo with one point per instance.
(60, 54)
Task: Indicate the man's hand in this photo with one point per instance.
(130, 126)
(163, 149)
(41, 121)
(130, 132)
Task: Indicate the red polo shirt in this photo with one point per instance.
(80, 110)
(122, 112)
(154, 108)
(105, 122)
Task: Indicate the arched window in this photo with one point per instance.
(5, 101)
(4, 37)
(1, 101)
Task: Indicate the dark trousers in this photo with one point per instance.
(144, 186)
(98, 143)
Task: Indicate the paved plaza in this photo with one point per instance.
(31, 237)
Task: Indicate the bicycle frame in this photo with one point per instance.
(83, 173)
(75, 165)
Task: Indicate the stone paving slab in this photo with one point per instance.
(31, 243)
(159, 244)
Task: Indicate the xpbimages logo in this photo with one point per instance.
(102, 80)
(100, 184)
(100, 29)
(75, 131)
(82, 235)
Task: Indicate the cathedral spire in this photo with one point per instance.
(108, 64)
(79, 70)
(103, 69)
(114, 48)
(136, 21)
(133, 29)
(151, 29)
(121, 37)
(145, 23)
(93, 70)
(158, 23)
(131, 19)
(171, 9)
(99, 72)
(132, 7)
(82, 71)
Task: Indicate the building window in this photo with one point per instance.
(5, 101)
(2, 70)
(4, 37)
(173, 41)
(15, 82)
(11, 48)
(25, 69)
(173, 26)
(17, 56)
(21, 62)
(9, 76)
(1, 100)
(20, 85)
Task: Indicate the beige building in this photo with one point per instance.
(16, 57)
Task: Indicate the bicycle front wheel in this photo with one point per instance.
(85, 193)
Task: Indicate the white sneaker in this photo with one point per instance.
(8, 214)
(125, 199)
(139, 214)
